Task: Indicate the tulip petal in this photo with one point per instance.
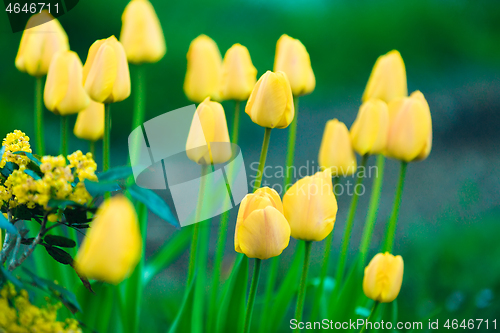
(102, 75)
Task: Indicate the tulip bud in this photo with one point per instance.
(105, 74)
(64, 93)
(261, 228)
(113, 244)
(388, 78)
(42, 39)
(383, 277)
(369, 130)
(310, 207)
(203, 73)
(335, 152)
(410, 128)
(209, 126)
(292, 59)
(141, 35)
(271, 102)
(238, 74)
(90, 122)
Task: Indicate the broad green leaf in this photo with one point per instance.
(182, 322)
(8, 168)
(31, 157)
(32, 173)
(232, 309)
(9, 277)
(62, 204)
(59, 255)
(2, 151)
(115, 174)
(170, 251)
(100, 188)
(60, 241)
(154, 203)
(5, 224)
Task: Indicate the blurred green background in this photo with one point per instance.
(450, 219)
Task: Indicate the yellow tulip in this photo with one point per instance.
(238, 74)
(292, 59)
(203, 74)
(208, 139)
(388, 78)
(410, 128)
(335, 152)
(141, 35)
(261, 228)
(271, 102)
(369, 130)
(64, 93)
(383, 277)
(43, 38)
(113, 244)
(310, 207)
(106, 75)
(90, 122)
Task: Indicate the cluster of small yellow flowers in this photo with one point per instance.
(84, 165)
(14, 142)
(18, 315)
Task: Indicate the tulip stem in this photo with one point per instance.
(324, 267)
(92, 148)
(290, 152)
(40, 142)
(262, 160)
(236, 123)
(371, 216)
(348, 228)
(391, 227)
(64, 136)
(372, 313)
(251, 296)
(303, 284)
(139, 98)
(107, 137)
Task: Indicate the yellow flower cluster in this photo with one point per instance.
(14, 142)
(18, 315)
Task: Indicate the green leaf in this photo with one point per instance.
(287, 291)
(154, 203)
(76, 215)
(60, 241)
(100, 188)
(32, 173)
(232, 310)
(115, 174)
(5, 224)
(59, 255)
(9, 277)
(62, 204)
(8, 168)
(31, 157)
(2, 151)
(182, 322)
(167, 254)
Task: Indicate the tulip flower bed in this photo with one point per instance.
(74, 232)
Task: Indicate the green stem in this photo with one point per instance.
(290, 152)
(251, 296)
(107, 138)
(139, 98)
(196, 227)
(64, 135)
(348, 228)
(262, 160)
(372, 313)
(92, 148)
(303, 284)
(371, 216)
(40, 142)
(391, 227)
(236, 123)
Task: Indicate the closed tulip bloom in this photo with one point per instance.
(369, 130)
(292, 59)
(90, 122)
(141, 35)
(64, 93)
(388, 78)
(106, 75)
(261, 228)
(113, 244)
(208, 139)
(42, 39)
(383, 277)
(335, 152)
(238, 74)
(271, 102)
(310, 207)
(204, 69)
(410, 129)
